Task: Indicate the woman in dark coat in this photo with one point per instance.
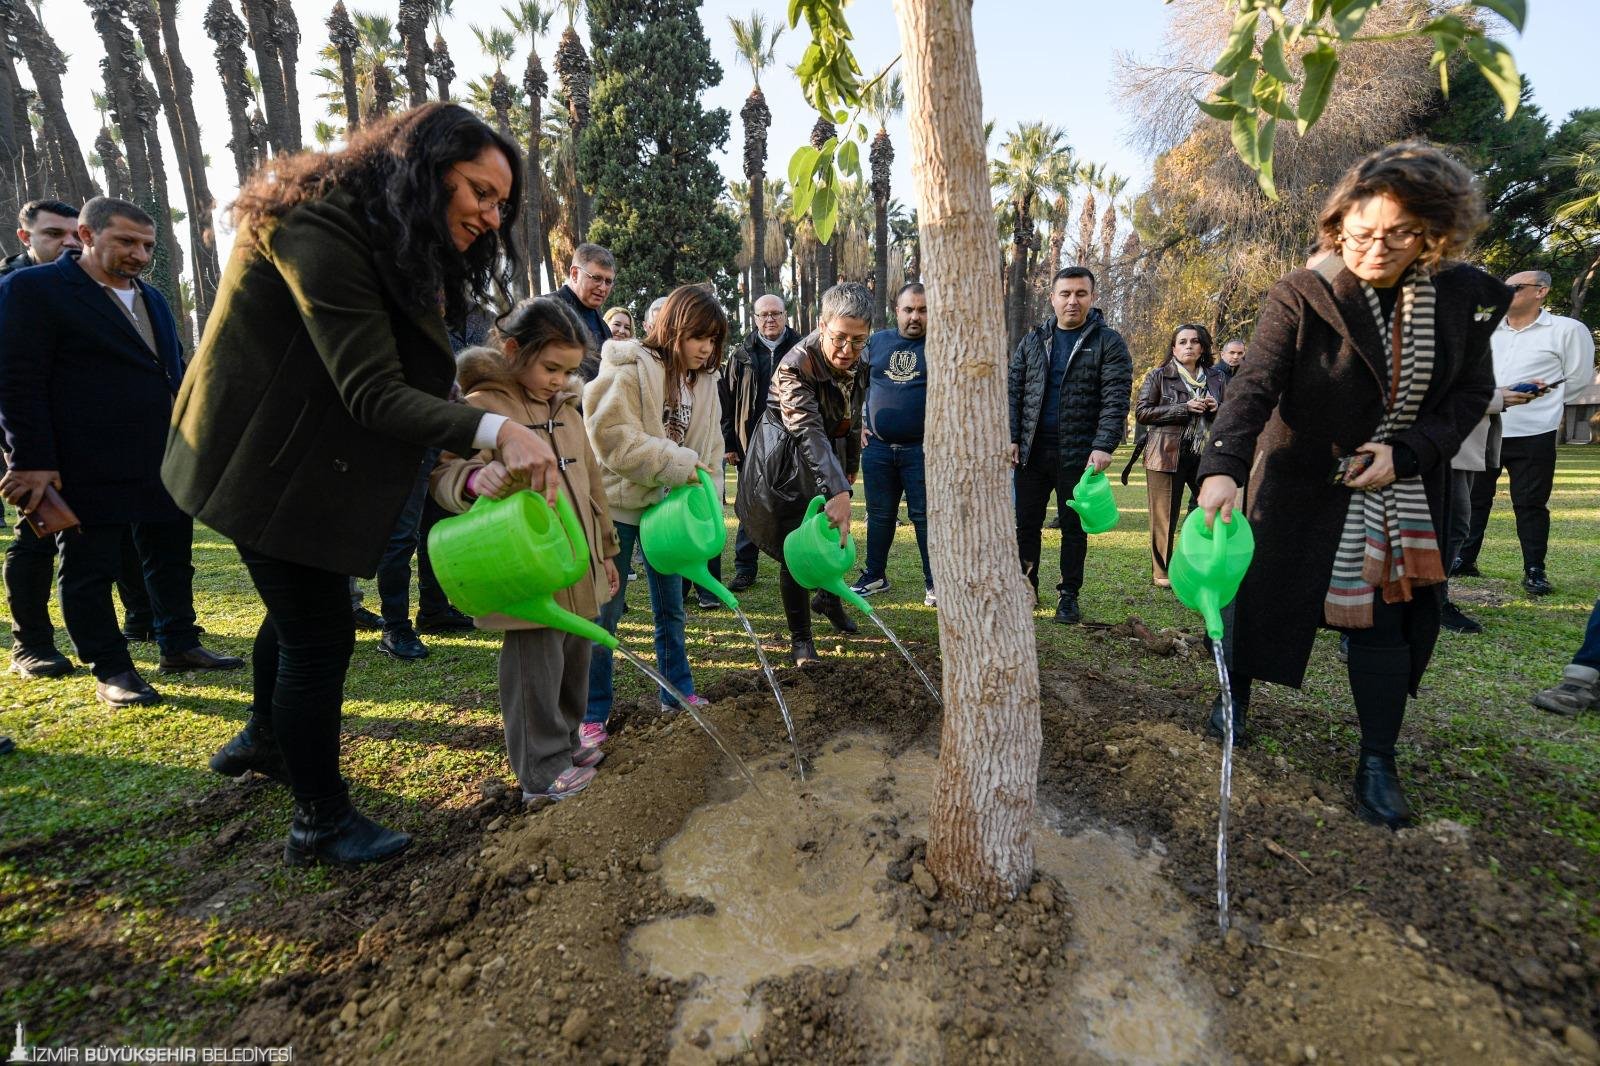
(1177, 402)
(808, 443)
(1364, 376)
(319, 384)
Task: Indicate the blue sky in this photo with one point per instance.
(1052, 61)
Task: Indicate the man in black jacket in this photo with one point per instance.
(89, 364)
(590, 279)
(744, 388)
(1069, 386)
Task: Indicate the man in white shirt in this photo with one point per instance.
(1557, 354)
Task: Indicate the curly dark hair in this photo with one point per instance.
(1427, 182)
(398, 169)
(1204, 334)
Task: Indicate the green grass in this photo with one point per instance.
(107, 817)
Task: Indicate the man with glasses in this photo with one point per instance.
(589, 282)
(745, 384)
(1556, 356)
(1069, 383)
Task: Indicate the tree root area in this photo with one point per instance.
(673, 914)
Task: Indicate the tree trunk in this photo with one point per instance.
(224, 28)
(258, 16)
(882, 309)
(1016, 298)
(980, 845)
(10, 151)
(413, 27)
(1580, 288)
(758, 227)
(286, 37)
(120, 76)
(46, 64)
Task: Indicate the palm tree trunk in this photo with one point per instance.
(258, 16)
(444, 72)
(413, 27)
(342, 36)
(10, 149)
(46, 64)
(1580, 287)
(224, 28)
(167, 265)
(286, 37)
(120, 74)
(881, 309)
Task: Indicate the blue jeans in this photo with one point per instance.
(394, 572)
(1589, 654)
(889, 470)
(666, 606)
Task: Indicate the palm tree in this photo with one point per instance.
(1112, 185)
(259, 16)
(756, 46)
(907, 236)
(342, 38)
(111, 159)
(822, 132)
(884, 100)
(382, 92)
(439, 64)
(374, 46)
(225, 29)
(120, 76)
(532, 18)
(1583, 209)
(1032, 153)
(324, 133)
(499, 45)
(576, 73)
(286, 38)
(413, 27)
(158, 31)
(46, 63)
(775, 245)
(1090, 176)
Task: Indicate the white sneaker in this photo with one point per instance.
(929, 599)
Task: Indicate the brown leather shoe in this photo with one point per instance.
(126, 689)
(198, 658)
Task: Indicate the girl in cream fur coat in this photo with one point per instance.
(655, 421)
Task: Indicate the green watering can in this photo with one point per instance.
(1208, 564)
(684, 531)
(817, 560)
(512, 556)
(1092, 499)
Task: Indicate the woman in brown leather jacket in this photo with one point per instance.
(1177, 401)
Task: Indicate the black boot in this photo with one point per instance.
(831, 607)
(803, 652)
(252, 748)
(1378, 796)
(332, 831)
(1217, 724)
(1067, 612)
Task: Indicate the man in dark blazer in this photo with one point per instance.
(89, 364)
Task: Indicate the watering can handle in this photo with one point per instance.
(570, 524)
(1219, 538)
(1088, 472)
(710, 487)
(813, 508)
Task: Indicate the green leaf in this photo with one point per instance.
(1242, 89)
(850, 158)
(1241, 42)
(1348, 15)
(1244, 139)
(1272, 60)
(1218, 109)
(825, 212)
(1265, 137)
(1513, 11)
(1272, 97)
(841, 116)
(801, 164)
(803, 193)
(824, 163)
(1499, 69)
(1321, 63)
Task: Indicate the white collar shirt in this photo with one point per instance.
(1549, 348)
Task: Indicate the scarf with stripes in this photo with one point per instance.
(1388, 542)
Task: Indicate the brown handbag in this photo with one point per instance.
(50, 514)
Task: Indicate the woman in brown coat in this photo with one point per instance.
(1363, 378)
(1178, 402)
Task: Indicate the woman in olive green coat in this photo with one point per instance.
(320, 382)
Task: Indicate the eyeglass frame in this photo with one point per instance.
(772, 314)
(1519, 286)
(837, 341)
(1360, 242)
(603, 282)
(501, 207)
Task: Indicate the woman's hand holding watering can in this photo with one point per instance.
(1217, 493)
(694, 475)
(524, 453)
(838, 511)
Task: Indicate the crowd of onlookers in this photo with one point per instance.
(349, 394)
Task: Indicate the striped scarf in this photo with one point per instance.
(1388, 541)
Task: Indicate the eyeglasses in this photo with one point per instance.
(1525, 285)
(1395, 240)
(486, 197)
(840, 341)
(770, 314)
(602, 280)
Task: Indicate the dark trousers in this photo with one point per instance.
(1531, 462)
(30, 566)
(1589, 653)
(394, 571)
(302, 653)
(746, 555)
(1048, 471)
(888, 471)
(92, 559)
(431, 599)
(1457, 517)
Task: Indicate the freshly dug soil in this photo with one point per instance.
(671, 913)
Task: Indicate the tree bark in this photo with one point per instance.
(47, 64)
(1580, 287)
(980, 844)
(258, 16)
(224, 27)
(286, 37)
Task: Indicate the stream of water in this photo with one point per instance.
(683, 702)
(881, 624)
(777, 691)
(1225, 790)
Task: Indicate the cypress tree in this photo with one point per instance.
(647, 151)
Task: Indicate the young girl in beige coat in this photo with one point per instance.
(655, 421)
(544, 673)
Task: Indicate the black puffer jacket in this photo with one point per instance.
(1094, 396)
(807, 443)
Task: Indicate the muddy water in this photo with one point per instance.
(791, 878)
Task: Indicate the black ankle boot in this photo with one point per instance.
(803, 652)
(252, 748)
(1379, 799)
(831, 607)
(332, 831)
(1217, 724)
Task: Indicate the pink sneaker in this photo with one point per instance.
(588, 756)
(570, 783)
(593, 734)
(696, 702)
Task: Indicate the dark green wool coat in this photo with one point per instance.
(306, 411)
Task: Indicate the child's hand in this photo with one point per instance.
(613, 580)
(493, 480)
(694, 478)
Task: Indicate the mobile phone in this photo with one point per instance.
(1535, 388)
(1350, 467)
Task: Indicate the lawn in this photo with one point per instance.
(110, 820)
